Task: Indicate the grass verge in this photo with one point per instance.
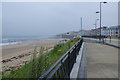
(39, 65)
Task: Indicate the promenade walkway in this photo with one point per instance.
(102, 61)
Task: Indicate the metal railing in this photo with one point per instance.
(63, 67)
(95, 36)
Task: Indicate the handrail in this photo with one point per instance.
(74, 48)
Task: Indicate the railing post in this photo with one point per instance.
(69, 65)
(62, 69)
(75, 54)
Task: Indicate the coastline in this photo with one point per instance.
(15, 56)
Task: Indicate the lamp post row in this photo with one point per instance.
(100, 18)
(95, 25)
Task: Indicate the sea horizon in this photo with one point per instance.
(11, 40)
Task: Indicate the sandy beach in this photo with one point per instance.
(15, 56)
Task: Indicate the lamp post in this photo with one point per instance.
(100, 18)
(95, 25)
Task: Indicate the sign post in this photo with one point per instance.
(81, 27)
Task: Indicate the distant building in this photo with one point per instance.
(97, 31)
(103, 31)
(113, 31)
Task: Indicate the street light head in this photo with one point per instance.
(104, 2)
(97, 12)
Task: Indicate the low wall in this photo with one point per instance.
(79, 69)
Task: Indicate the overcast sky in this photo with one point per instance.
(35, 19)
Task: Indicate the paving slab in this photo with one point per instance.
(102, 61)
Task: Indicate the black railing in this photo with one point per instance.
(63, 67)
(95, 36)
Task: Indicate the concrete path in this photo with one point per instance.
(102, 61)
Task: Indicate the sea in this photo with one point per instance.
(11, 40)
